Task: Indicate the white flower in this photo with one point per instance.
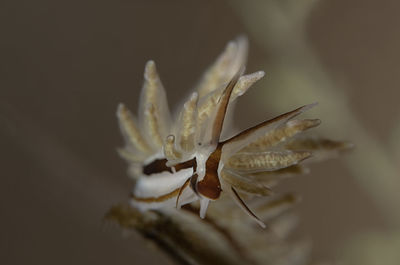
(179, 160)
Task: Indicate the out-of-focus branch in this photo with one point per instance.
(297, 77)
(395, 144)
(373, 248)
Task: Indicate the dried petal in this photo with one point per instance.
(245, 185)
(170, 152)
(130, 131)
(238, 142)
(265, 161)
(321, 148)
(209, 102)
(271, 178)
(186, 127)
(152, 126)
(282, 133)
(226, 65)
(154, 115)
(161, 190)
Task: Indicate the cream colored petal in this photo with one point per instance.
(271, 178)
(160, 184)
(170, 152)
(265, 161)
(209, 103)
(186, 128)
(130, 131)
(209, 134)
(152, 127)
(245, 185)
(282, 133)
(227, 64)
(238, 142)
(321, 148)
(164, 202)
(130, 156)
(245, 82)
(154, 115)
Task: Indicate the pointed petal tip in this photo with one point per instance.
(150, 71)
(259, 74)
(347, 144)
(121, 110)
(230, 46)
(316, 122)
(305, 155)
(194, 96)
(309, 106)
(261, 224)
(304, 124)
(244, 207)
(170, 138)
(242, 37)
(242, 42)
(120, 107)
(150, 63)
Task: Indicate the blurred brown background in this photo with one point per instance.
(65, 65)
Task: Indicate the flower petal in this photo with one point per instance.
(130, 131)
(154, 115)
(245, 185)
(265, 161)
(280, 134)
(238, 142)
(186, 127)
(226, 65)
(321, 148)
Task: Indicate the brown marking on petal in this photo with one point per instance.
(193, 183)
(265, 161)
(281, 134)
(210, 186)
(181, 191)
(159, 165)
(245, 185)
(246, 208)
(247, 132)
(161, 198)
(223, 105)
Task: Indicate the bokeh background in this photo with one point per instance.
(65, 65)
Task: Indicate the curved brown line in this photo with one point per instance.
(221, 111)
(210, 185)
(161, 198)
(159, 165)
(181, 191)
(245, 206)
(262, 124)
